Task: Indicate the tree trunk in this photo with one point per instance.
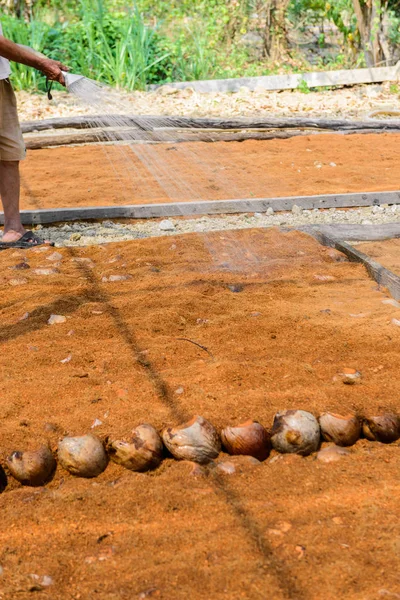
(372, 25)
(275, 35)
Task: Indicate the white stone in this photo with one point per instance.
(45, 271)
(297, 210)
(166, 225)
(269, 212)
(56, 319)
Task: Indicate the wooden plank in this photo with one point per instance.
(174, 137)
(290, 82)
(150, 123)
(207, 207)
(354, 232)
(376, 271)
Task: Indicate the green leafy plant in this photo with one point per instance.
(303, 87)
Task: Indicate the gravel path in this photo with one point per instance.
(89, 233)
(354, 102)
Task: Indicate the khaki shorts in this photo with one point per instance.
(12, 145)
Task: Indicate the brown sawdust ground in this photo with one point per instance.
(292, 528)
(110, 175)
(386, 252)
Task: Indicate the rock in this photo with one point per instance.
(226, 468)
(20, 281)
(270, 211)
(236, 288)
(396, 322)
(51, 271)
(113, 278)
(75, 237)
(258, 215)
(55, 256)
(56, 319)
(87, 261)
(66, 360)
(297, 210)
(166, 225)
(44, 581)
(20, 266)
(332, 454)
(350, 376)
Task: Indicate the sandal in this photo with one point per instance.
(28, 240)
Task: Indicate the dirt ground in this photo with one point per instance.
(386, 252)
(105, 175)
(290, 528)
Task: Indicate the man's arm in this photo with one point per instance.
(51, 68)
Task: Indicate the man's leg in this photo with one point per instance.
(10, 192)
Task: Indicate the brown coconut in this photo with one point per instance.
(83, 455)
(249, 438)
(197, 441)
(384, 428)
(342, 431)
(295, 431)
(33, 468)
(143, 452)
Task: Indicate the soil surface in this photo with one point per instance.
(107, 175)
(386, 252)
(280, 316)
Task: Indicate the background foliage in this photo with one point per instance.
(131, 43)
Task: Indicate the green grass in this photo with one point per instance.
(113, 42)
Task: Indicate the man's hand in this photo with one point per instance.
(26, 56)
(53, 70)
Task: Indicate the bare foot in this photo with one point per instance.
(13, 235)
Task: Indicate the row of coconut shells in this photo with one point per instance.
(293, 431)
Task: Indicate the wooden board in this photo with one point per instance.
(211, 207)
(150, 123)
(173, 136)
(379, 273)
(353, 232)
(290, 82)
(150, 137)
